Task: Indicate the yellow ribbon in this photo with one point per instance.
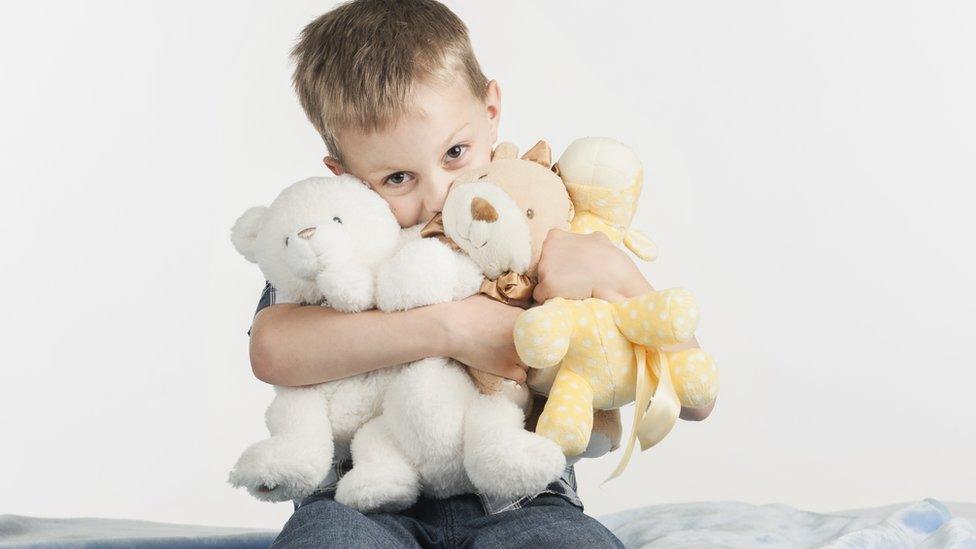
(654, 415)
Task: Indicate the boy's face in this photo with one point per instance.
(413, 164)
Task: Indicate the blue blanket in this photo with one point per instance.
(926, 524)
(90, 533)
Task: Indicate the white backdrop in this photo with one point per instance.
(810, 178)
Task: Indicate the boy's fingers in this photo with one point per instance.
(541, 292)
(516, 373)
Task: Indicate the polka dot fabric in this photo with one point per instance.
(592, 342)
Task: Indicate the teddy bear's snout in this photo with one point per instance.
(307, 233)
(482, 210)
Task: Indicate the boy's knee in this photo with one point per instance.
(326, 523)
(547, 521)
(578, 530)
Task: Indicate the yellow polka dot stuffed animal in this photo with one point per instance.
(595, 355)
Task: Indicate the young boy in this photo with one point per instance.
(396, 93)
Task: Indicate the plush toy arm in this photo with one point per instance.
(469, 277)
(423, 272)
(347, 287)
(543, 333)
(664, 317)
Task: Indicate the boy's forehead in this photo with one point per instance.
(435, 115)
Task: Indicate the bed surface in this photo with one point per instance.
(926, 524)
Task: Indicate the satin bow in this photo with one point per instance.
(656, 409)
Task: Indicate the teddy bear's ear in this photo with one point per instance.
(244, 233)
(504, 150)
(540, 153)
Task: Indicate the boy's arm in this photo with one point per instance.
(578, 266)
(293, 345)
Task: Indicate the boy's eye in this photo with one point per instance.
(456, 151)
(397, 179)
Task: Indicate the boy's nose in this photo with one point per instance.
(482, 210)
(436, 192)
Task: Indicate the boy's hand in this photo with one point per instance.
(480, 335)
(578, 266)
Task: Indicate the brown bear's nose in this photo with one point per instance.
(307, 233)
(482, 210)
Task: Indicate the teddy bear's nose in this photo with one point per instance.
(307, 233)
(482, 210)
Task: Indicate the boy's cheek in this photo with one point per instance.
(407, 213)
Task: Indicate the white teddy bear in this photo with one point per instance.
(433, 414)
(417, 428)
(320, 241)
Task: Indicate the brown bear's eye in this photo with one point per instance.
(483, 176)
(529, 213)
(286, 241)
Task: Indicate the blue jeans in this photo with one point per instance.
(546, 521)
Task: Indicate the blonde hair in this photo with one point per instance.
(356, 65)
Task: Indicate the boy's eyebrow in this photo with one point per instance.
(449, 143)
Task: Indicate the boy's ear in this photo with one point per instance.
(493, 106)
(334, 165)
(244, 233)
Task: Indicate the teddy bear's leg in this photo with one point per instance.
(694, 376)
(542, 334)
(659, 318)
(297, 457)
(568, 416)
(501, 458)
(605, 436)
(382, 478)
(424, 411)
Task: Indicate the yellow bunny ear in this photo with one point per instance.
(642, 246)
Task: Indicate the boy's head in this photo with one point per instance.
(396, 93)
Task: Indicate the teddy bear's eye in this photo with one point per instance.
(337, 220)
(286, 241)
(529, 213)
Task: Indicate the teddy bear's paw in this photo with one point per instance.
(387, 489)
(422, 273)
(542, 336)
(347, 287)
(664, 317)
(695, 377)
(282, 468)
(524, 466)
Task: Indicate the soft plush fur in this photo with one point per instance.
(589, 354)
(329, 241)
(320, 241)
(403, 452)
